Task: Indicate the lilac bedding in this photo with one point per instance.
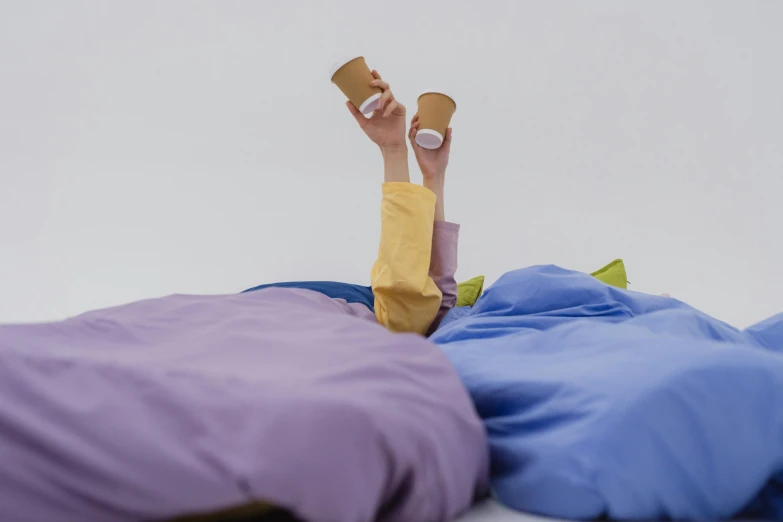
(188, 404)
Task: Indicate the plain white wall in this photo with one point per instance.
(151, 147)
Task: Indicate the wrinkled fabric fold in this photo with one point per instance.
(602, 402)
(194, 404)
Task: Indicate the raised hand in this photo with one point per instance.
(432, 162)
(386, 126)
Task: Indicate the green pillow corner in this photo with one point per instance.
(469, 291)
(613, 274)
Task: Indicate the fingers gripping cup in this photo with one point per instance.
(353, 77)
(435, 112)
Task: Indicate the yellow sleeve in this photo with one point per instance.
(406, 297)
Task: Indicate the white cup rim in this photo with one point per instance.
(427, 135)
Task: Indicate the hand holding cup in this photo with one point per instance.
(432, 162)
(386, 126)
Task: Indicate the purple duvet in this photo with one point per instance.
(189, 404)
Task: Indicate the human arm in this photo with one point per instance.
(386, 128)
(406, 297)
(443, 267)
(445, 237)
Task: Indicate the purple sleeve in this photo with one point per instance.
(443, 266)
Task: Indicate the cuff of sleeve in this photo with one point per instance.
(407, 188)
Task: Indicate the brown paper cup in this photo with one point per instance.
(435, 112)
(353, 77)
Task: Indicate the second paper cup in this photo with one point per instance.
(435, 112)
(353, 77)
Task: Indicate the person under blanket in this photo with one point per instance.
(413, 285)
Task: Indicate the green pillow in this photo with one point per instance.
(612, 274)
(469, 291)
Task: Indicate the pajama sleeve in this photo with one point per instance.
(406, 297)
(443, 267)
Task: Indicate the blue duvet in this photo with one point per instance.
(605, 402)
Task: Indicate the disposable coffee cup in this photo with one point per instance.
(435, 112)
(353, 77)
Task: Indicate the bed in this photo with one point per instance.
(588, 401)
(491, 511)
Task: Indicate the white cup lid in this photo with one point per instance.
(370, 104)
(429, 139)
(432, 91)
(340, 63)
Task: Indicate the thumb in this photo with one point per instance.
(447, 140)
(360, 119)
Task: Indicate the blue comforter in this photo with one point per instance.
(606, 402)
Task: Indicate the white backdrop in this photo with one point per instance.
(156, 147)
